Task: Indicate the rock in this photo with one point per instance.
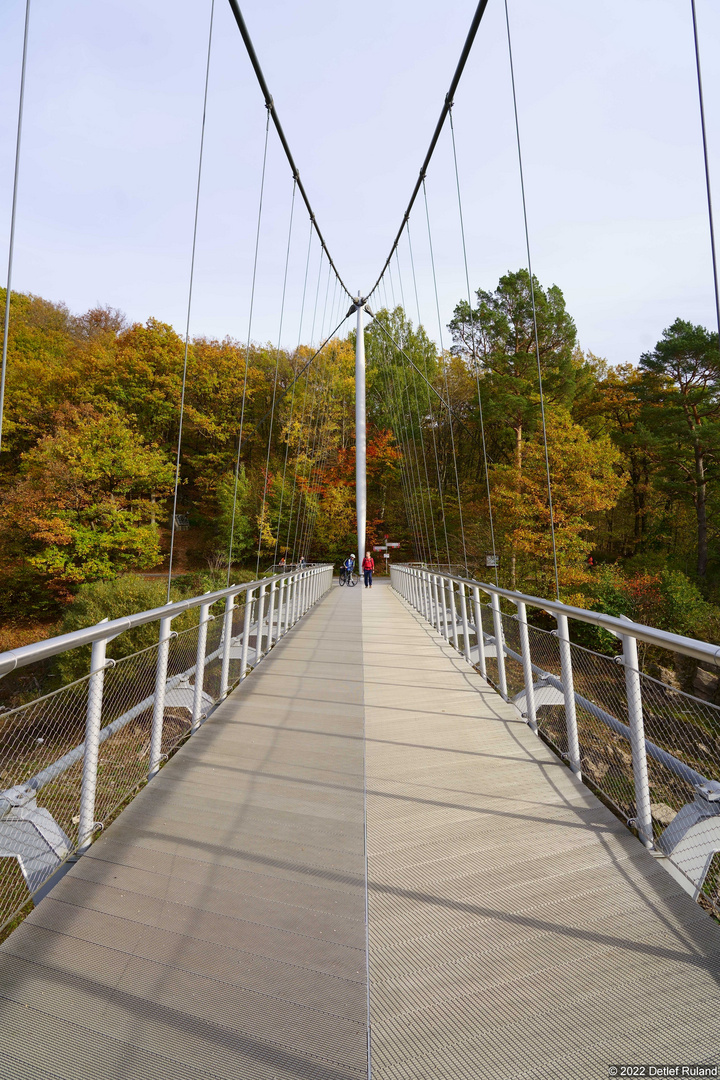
(662, 812)
(669, 677)
(622, 755)
(705, 684)
(597, 769)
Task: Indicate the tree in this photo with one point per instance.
(586, 477)
(79, 509)
(614, 407)
(497, 339)
(682, 397)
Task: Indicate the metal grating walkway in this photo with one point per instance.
(218, 928)
(516, 928)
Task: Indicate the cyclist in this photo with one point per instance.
(349, 565)
(368, 565)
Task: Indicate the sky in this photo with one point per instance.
(609, 125)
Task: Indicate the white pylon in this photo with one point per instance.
(360, 433)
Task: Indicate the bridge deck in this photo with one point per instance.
(218, 929)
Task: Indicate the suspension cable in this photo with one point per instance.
(469, 41)
(413, 365)
(13, 218)
(317, 295)
(420, 427)
(247, 350)
(275, 379)
(320, 468)
(532, 298)
(474, 357)
(405, 460)
(707, 164)
(300, 444)
(392, 287)
(430, 406)
(315, 462)
(447, 385)
(406, 437)
(292, 399)
(189, 301)
(272, 111)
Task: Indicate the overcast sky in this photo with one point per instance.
(609, 123)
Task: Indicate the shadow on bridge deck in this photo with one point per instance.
(218, 929)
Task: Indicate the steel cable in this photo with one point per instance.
(13, 217)
(277, 370)
(420, 426)
(292, 399)
(532, 298)
(706, 161)
(474, 357)
(432, 414)
(189, 302)
(247, 350)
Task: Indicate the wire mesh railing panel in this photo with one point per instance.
(605, 754)
(488, 629)
(127, 709)
(32, 739)
(551, 720)
(69, 760)
(513, 668)
(650, 749)
(686, 824)
(213, 667)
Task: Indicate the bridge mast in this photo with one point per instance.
(360, 432)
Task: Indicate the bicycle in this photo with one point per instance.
(348, 577)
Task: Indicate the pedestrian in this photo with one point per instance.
(368, 565)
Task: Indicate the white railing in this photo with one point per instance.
(651, 750)
(90, 744)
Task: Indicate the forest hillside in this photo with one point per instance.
(457, 467)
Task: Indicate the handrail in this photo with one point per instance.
(699, 650)
(691, 836)
(42, 650)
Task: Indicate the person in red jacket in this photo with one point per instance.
(368, 565)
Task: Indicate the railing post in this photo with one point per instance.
(643, 813)
(293, 601)
(477, 615)
(436, 603)
(247, 621)
(227, 638)
(527, 665)
(286, 596)
(566, 676)
(159, 706)
(499, 644)
(200, 667)
(443, 593)
(260, 621)
(425, 595)
(453, 615)
(271, 614)
(93, 720)
(465, 627)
